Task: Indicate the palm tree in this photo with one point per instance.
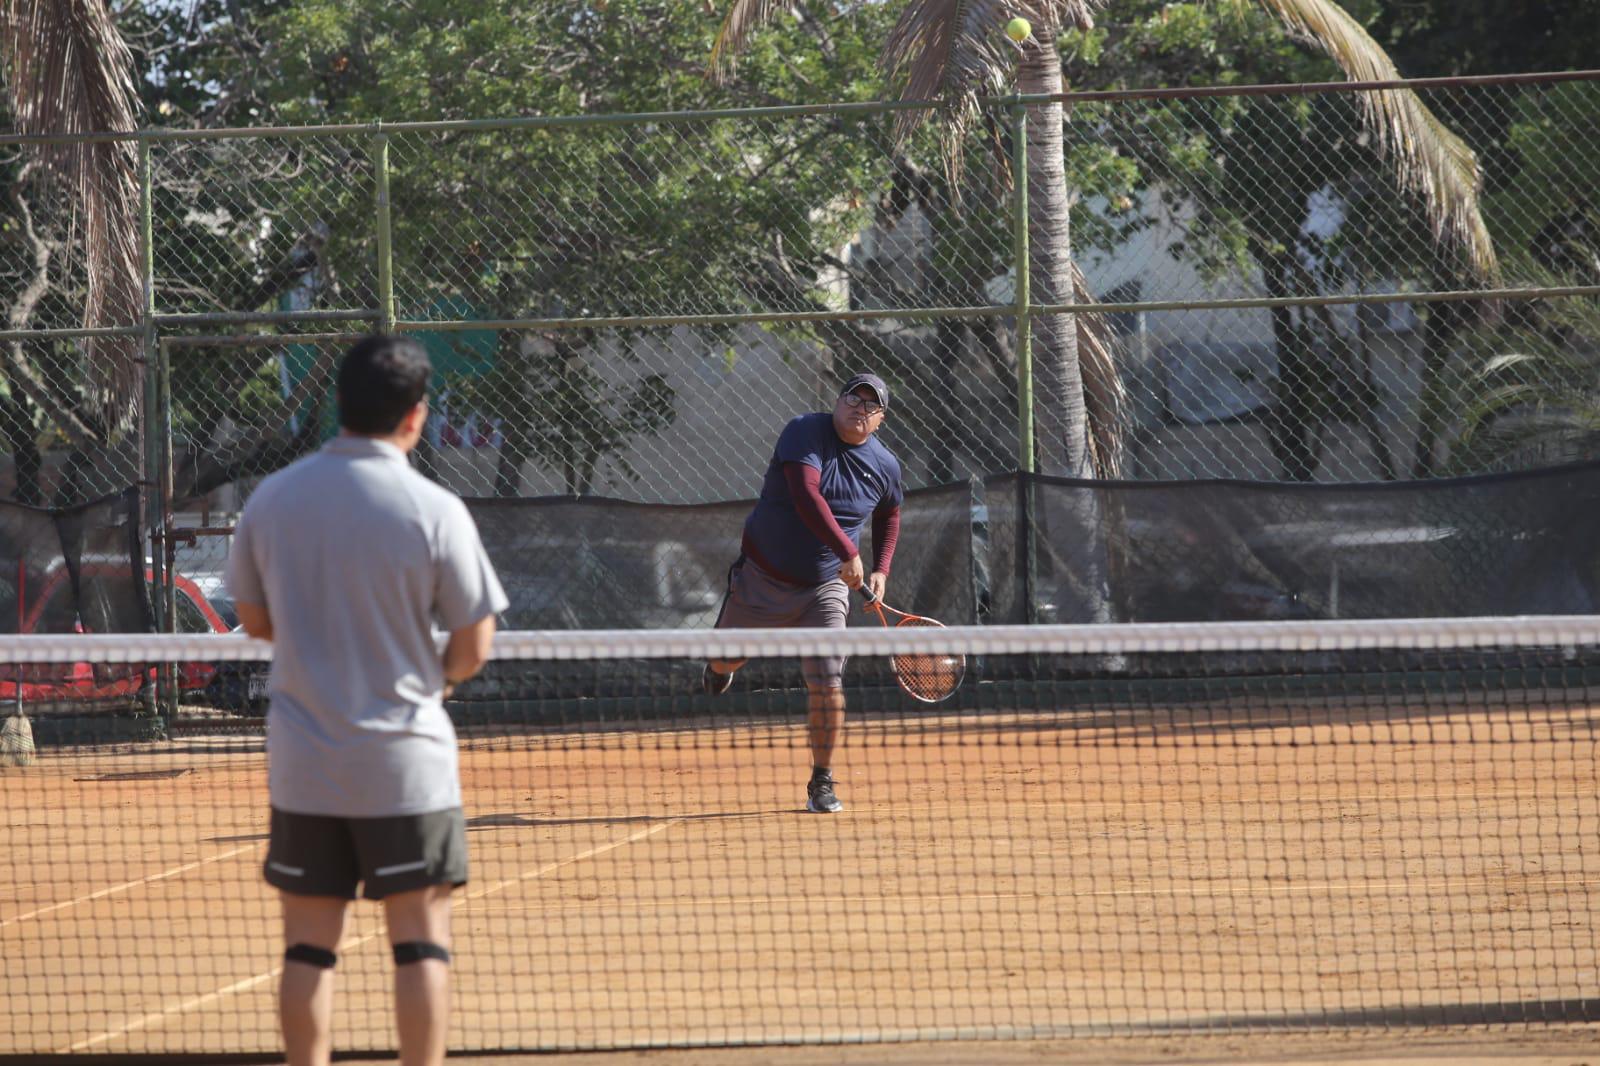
(1530, 381)
(952, 50)
(69, 71)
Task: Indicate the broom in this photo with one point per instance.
(16, 736)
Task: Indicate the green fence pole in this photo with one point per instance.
(380, 167)
(169, 552)
(153, 543)
(977, 550)
(1022, 265)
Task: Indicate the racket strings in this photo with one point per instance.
(928, 677)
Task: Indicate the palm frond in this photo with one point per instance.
(1105, 393)
(744, 18)
(922, 55)
(1515, 419)
(1428, 159)
(1508, 361)
(1575, 314)
(1531, 395)
(70, 72)
(954, 51)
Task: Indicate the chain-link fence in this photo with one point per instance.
(1265, 283)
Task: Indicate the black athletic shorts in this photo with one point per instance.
(322, 855)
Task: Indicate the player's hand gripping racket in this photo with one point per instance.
(925, 677)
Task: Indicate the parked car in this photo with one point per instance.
(48, 606)
(592, 583)
(240, 686)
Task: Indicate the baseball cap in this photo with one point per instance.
(871, 381)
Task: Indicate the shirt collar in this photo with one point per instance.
(366, 447)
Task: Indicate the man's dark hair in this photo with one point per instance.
(381, 378)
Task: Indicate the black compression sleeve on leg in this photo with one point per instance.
(417, 950)
(321, 958)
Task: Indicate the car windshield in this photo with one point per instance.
(225, 611)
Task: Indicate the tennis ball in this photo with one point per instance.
(1019, 29)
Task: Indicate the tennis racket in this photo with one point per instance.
(925, 677)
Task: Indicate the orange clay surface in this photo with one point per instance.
(1153, 876)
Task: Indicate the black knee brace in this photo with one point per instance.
(417, 950)
(321, 958)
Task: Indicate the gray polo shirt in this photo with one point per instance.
(356, 557)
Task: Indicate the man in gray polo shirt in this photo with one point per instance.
(345, 560)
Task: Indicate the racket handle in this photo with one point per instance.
(867, 597)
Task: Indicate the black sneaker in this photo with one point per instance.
(714, 683)
(820, 797)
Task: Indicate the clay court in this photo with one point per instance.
(1182, 879)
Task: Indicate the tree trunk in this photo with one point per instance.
(1443, 320)
(1291, 428)
(1061, 418)
(1069, 538)
(513, 456)
(75, 486)
(1371, 416)
(569, 473)
(948, 337)
(425, 459)
(16, 422)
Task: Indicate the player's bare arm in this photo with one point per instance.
(256, 620)
(468, 649)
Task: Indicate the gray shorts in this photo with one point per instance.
(757, 600)
(322, 855)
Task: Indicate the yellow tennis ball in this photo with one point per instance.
(1019, 29)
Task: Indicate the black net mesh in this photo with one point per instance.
(1284, 830)
(1509, 544)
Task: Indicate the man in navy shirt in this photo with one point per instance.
(801, 553)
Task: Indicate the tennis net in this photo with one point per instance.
(1105, 830)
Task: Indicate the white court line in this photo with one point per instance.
(532, 875)
(126, 885)
(347, 945)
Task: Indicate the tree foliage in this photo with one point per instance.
(561, 220)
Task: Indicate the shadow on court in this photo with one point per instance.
(1514, 1012)
(512, 821)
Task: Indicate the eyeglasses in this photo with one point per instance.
(867, 406)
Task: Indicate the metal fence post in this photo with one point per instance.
(1021, 258)
(380, 167)
(1022, 263)
(977, 563)
(166, 559)
(150, 428)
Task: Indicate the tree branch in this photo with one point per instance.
(21, 372)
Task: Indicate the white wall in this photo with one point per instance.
(730, 409)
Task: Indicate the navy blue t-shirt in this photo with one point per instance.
(856, 478)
